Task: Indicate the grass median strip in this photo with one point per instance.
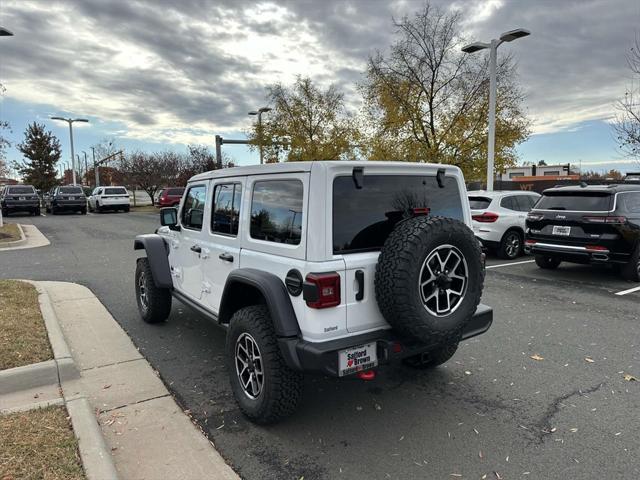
(9, 232)
(39, 444)
(23, 336)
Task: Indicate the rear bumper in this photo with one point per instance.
(576, 253)
(20, 206)
(323, 357)
(69, 204)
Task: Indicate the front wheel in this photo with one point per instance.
(423, 361)
(547, 263)
(266, 389)
(154, 304)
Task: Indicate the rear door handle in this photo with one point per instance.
(360, 280)
(227, 257)
(196, 248)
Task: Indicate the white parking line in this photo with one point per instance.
(508, 264)
(631, 290)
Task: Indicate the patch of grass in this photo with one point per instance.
(39, 444)
(9, 232)
(23, 336)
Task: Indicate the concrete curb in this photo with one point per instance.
(15, 243)
(96, 457)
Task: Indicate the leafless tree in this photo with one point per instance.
(627, 124)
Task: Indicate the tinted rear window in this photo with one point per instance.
(20, 190)
(479, 203)
(363, 218)
(115, 191)
(576, 201)
(174, 191)
(68, 190)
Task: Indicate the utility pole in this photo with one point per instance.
(493, 55)
(95, 167)
(70, 122)
(260, 139)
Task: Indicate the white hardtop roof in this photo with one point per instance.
(499, 193)
(293, 167)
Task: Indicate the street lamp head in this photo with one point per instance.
(474, 47)
(265, 109)
(253, 112)
(58, 118)
(80, 120)
(5, 33)
(512, 35)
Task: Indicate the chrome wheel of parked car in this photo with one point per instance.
(142, 290)
(249, 366)
(443, 280)
(511, 245)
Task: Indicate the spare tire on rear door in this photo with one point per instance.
(429, 278)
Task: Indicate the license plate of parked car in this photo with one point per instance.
(22, 198)
(561, 230)
(356, 359)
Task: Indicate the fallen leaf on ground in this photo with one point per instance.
(497, 475)
(573, 430)
(590, 360)
(107, 386)
(630, 378)
(537, 357)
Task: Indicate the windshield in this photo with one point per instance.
(70, 190)
(21, 190)
(576, 201)
(115, 191)
(363, 218)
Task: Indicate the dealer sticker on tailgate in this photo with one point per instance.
(356, 359)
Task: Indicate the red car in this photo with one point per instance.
(170, 197)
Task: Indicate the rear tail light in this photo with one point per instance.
(604, 219)
(322, 290)
(529, 242)
(535, 217)
(486, 217)
(596, 248)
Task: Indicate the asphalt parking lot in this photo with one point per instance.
(542, 395)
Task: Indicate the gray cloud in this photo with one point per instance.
(198, 65)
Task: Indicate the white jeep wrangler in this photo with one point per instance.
(325, 267)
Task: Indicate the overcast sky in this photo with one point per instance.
(164, 73)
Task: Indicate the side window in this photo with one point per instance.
(276, 211)
(193, 208)
(630, 202)
(226, 208)
(525, 202)
(509, 203)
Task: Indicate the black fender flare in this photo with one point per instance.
(272, 289)
(158, 255)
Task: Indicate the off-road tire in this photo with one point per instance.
(631, 271)
(282, 386)
(397, 280)
(504, 250)
(158, 304)
(431, 359)
(547, 263)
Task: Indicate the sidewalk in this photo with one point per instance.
(32, 238)
(147, 433)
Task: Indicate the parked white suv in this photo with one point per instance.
(109, 198)
(325, 267)
(499, 219)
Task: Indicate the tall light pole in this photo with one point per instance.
(4, 33)
(509, 36)
(70, 122)
(259, 114)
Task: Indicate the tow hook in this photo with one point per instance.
(367, 375)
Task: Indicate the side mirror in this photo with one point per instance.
(169, 218)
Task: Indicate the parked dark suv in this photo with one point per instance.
(19, 198)
(66, 198)
(587, 224)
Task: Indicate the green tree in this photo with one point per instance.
(426, 101)
(311, 122)
(41, 150)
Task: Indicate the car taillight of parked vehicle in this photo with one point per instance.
(486, 217)
(605, 219)
(534, 217)
(322, 290)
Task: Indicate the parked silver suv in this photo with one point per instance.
(325, 267)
